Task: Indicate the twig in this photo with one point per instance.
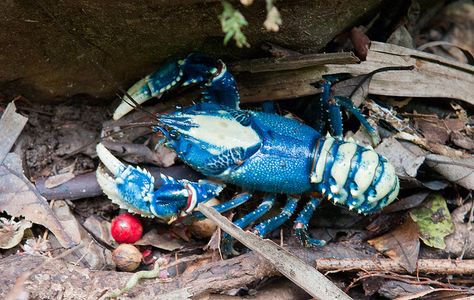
(406, 279)
(292, 62)
(289, 265)
(433, 266)
(86, 186)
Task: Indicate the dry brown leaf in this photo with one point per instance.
(11, 125)
(11, 232)
(67, 220)
(434, 294)
(432, 129)
(93, 255)
(406, 163)
(19, 197)
(57, 180)
(434, 76)
(462, 141)
(407, 202)
(163, 241)
(455, 169)
(402, 244)
(100, 229)
(395, 289)
(461, 242)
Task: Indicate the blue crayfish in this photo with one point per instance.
(256, 151)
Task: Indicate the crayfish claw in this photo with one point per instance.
(217, 84)
(129, 187)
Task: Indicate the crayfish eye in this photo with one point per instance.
(174, 134)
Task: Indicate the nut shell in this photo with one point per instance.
(205, 228)
(127, 257)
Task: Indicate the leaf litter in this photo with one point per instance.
(430, 150)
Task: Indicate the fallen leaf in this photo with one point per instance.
(93, 255)
(140, 153)
(11, 232)
(401, 244)
(67, 219)
(406, 203)
(11, 125)
(401, 37)
(57, 180)
(432, 129)
(19, 197)
(462, 141)
(393, 289)
(371, 285)
(459, 170)
(100, 229)
(433, 220)
(360, 41)
(406, 162)
(163, 241)
(435, 294)
(461, 242)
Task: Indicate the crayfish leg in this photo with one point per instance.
(263, 208)
(273, 223)
(302, 221)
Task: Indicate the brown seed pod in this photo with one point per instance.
(127, 257)
(205, 228)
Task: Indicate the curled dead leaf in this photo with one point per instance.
(11, 232)
(401, 244)
(19, 197)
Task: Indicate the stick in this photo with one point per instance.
(293, 62)
(86, 186)
(426, 266)
(289, 265)
(290, 78)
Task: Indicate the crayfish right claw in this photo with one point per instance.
(129, 187)
(132, 188)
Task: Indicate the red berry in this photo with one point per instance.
(126, 228)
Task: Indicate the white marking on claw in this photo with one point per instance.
(221, 132)
(138, 94)
(112, 164)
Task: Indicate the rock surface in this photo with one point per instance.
(52, 50)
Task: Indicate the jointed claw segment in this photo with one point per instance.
(217, 84)
(132, 188)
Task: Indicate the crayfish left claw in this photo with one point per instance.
(217, 84)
